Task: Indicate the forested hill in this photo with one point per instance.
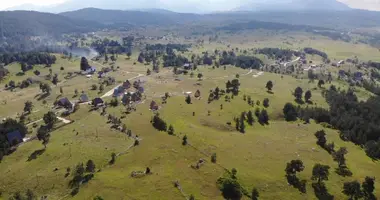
(149, 17)
(346, 19)
(31, 23)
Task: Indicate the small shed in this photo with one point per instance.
(14, 137)
(83, 98)
(97, 102)
(90, 70)
(187, 66)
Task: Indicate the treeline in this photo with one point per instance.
(112, 46)
(357, 121)
(165, 47)
(9, 126)
(312, 51)
(334, 35)
(246, 62)
(242, 61)
(371, 86)
(174, 60)
(30, 58)
(374, 64)
(278, 54)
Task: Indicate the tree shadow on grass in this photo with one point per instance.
(35, 154)
(297, 183)
(43, 96)
(343, 171)
(321, 192)
(310, 102)
(20, 74)
(299, 101)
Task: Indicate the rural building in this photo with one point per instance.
(97, 102)
(341, 62)
(187, 66)
(83, 98)
(90, 70)
(64, 102)
(153, 106)
(14, 137)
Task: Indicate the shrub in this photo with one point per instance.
(213, 158)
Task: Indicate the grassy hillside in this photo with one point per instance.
(259, 155)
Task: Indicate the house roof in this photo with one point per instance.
(97, 101)
(63, 101)
(83, 98)
(15, 135)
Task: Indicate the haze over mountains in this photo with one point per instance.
(191, 6)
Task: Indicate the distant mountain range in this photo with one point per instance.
(193, 6)
(293, 5)
(31, 23)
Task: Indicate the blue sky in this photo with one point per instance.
(212, 5)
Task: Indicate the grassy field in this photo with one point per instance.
(260, 155)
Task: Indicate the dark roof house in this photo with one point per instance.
(14, 137)
(97, 101)
(63, 102)
(83, 98)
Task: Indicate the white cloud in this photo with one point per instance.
(179, 5)
(11, 3)
(363, 4)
